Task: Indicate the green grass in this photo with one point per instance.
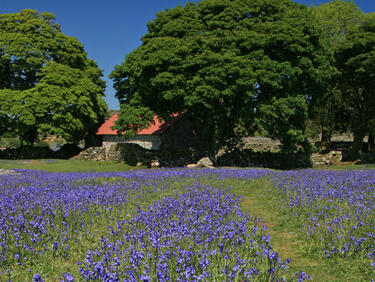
(55, 165)
(66, 165)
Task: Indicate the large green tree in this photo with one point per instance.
(355, 60)
(253, 64)
(337, 19)
(47, 83)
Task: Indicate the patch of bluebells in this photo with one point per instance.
(198, 235)
(201, 231)
(336, 210)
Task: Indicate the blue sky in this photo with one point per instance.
(110, 29)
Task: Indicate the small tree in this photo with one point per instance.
(47, 83)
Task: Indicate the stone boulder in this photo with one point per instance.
(8, 172)
(205, 162)
(155, 164)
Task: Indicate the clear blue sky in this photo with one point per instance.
(110, 29)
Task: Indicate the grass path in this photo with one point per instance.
(284, 236)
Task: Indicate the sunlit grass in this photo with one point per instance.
(54, 165)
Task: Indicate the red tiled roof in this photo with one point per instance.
(156, 127)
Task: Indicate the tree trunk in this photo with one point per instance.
(92, 140)
(31, 141)
(326, 139)
(370, 143)
(22, 142)
(356, 147)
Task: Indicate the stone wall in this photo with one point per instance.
(181, 145)
(279, 160)
(177, 153)
(149, 142)
(276, 160)
(65, 152)
(132, 154)
(331, 158)
(92, 153)
(260, 143)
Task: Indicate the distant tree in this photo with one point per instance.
(355, 60)
(47, 83)
(229, 65)
(336, 19)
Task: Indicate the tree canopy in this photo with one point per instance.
(47, 83)
(252, 64)
(337, 19)
(355, 60)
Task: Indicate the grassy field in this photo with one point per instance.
(83, 206)
(53, 165)
(65, 165)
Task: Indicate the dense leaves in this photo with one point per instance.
(337, 19)
(47, 83)
(225, 63)
(355, 60)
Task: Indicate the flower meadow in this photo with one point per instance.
(131, 226)
(335, 210)
(176, 224)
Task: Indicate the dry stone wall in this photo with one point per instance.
(65, 152)
(181, 145)
(92, 153)
(149, 142)
(331, 158)
(133, 154)
(276, 160)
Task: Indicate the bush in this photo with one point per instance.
(10, 142)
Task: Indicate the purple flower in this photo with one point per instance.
(67, 278)
(273, 256)
(145, 278)
(37, 278)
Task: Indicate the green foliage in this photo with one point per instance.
(336, 19)
(9, 142)
(221, 62)
(286, 118)
(47, 83)
(356, 62)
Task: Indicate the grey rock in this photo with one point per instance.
(8, 172)
(155, 164)
(205, 162)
